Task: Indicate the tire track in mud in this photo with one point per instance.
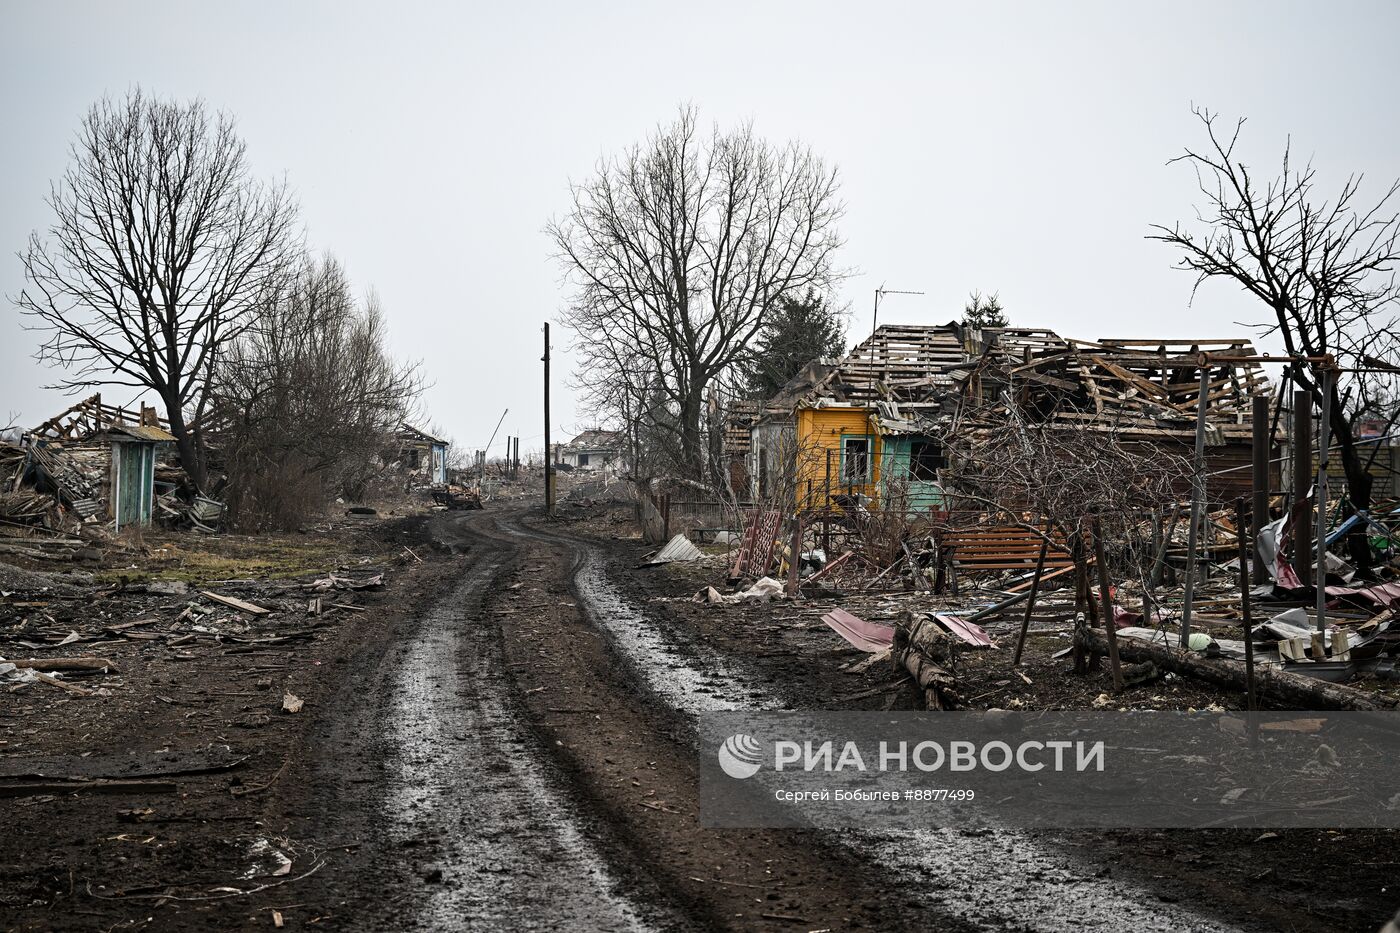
(463, 789)
(999, 881)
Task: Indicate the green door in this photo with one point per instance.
(135, 473)
(911, 468)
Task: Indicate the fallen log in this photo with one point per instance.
(1277, 687)
(921, 648)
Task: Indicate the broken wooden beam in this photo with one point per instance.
(235, 603)
(99, 665)
(1281, 688)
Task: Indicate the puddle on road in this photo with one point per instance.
(1002, 880)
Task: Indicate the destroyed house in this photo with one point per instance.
(420, 455)
(593, 451)
(1142, 393)
(875, 425)
(858, 428)
(99, 461)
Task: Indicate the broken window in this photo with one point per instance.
(413, 461)
(855, 460)
(925, 459)
(583, 460)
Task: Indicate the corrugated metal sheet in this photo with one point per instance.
(678, 548)
(970, 632)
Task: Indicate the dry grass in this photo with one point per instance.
(198, 559)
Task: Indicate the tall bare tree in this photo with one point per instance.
(678, 249)
(1325, 269)
(161, 247)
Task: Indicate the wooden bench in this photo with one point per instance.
(993, 548)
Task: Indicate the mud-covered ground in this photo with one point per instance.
(503, 739)
(1238, 876)
(192, 718)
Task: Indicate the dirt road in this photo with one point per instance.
(525, 760)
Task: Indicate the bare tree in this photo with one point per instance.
(1325, 269)
(1050, 476)
(307, 398)
(678, 249)
(161, 248)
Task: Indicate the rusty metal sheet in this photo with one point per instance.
(867, 636)
(970, 632)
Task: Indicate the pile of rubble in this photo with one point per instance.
(44, 612)
(951, 577)
(96, 468)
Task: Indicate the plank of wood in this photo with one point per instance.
(67, 664)
(1049, 576)
(235, 602)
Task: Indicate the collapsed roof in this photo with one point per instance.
(90, 417)
(1148, 387)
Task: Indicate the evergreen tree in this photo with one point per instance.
(984, 311)
(797, 331)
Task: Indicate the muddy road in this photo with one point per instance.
(523, 757)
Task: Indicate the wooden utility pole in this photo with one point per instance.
(1198, 502)
(1260, 512)
(548, 452)
(1302, 478)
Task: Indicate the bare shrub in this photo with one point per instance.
(307, 398)
(1033, 473)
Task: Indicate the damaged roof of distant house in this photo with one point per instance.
(141, 432)
(408, 432)
(597, 440)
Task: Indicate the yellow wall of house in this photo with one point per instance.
(820, 430)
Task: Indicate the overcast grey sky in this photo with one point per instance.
(1011, 147)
